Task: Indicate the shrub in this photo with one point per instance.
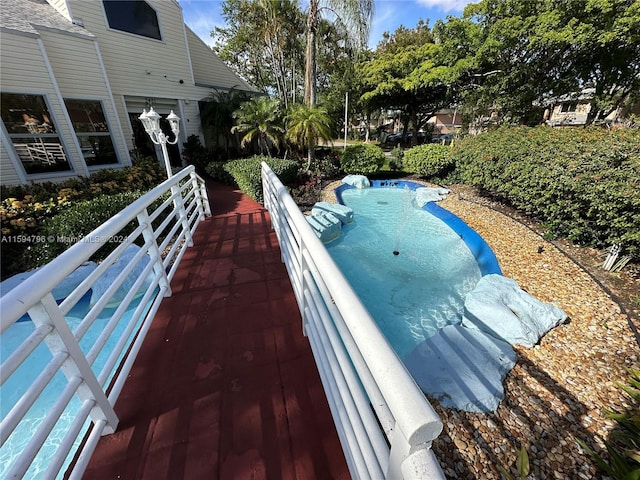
(247, 173)
(25, 208)
(362, 159)
(76, 221)
(623, 446)
(196, 154)
(428, 160)
(218, 172)
(582, 184)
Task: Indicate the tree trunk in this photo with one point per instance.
(311, 155)
(310, 65)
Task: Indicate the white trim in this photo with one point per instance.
(127, 160)
(186, 46)
(21, 171)
(54, 83)
(13, 156)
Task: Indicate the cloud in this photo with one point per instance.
(386, 19)
(202, 17)
(446, 5)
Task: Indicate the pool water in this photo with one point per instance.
(409, 268)
(17, 384)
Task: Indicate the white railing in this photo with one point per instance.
(384, 421)
(163, 221)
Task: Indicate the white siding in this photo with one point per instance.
(137, 65)
(208, 69)
(77, 69)
(24, 70)
(8, 174)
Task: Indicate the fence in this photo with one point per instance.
(385, 423)
(125, 290)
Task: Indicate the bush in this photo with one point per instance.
(24, 209)
(77, 221)
(218, 172)
(582, 184)
(362, 159)
(247, 173)
(196, 154)
(429, 160)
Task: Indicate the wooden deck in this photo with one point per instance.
(225, 385)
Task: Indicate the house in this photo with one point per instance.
(573, 110)
(569, 110)
(446, 122)
(76, 75)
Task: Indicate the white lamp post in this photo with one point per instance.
(151, 122)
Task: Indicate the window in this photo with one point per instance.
(133, 16)
(33, 133)
(568, 107)
(92, 130)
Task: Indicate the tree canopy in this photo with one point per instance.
(520, 54)
(407, 73)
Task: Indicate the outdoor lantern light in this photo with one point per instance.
(151, 122)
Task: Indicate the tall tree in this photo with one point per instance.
(530, 51)
(217, 110)
(306, 126)
(355, 15)
(259, 119)
(406, 73)
(263, 43)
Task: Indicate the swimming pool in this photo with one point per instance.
(411, 268)
(16, 385)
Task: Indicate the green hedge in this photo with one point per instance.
(581, 183)
(428, 160)
(247, 173)
(77, 221)
(362, 159)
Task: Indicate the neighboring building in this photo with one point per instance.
(446, 122)
(567, 111)
(76, 74)
(570, 111)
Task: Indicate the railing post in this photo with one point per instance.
(154, 251)
(182, 213)
(202, 196)
(61, 339)
(399, 451)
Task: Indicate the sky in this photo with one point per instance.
(202, 16)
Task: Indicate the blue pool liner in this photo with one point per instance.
(487, 261)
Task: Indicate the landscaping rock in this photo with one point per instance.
(358, 181)
(327, 226)
(342, 212)
(499, 307)
(110, 275)
(60, 291)
(428, 194)
(462, 368)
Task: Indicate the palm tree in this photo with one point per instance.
(217, 110)
(356, 16)
(259, 118)
(306, 126)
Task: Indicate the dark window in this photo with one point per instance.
(33, 133)
(568, 107)
(92, 130)
(133, 16)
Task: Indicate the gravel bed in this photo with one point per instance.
(558, 390)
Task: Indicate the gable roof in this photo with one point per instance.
(25, 16)
(208, 70)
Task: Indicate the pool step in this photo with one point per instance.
(342, 212)
(327, 226)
